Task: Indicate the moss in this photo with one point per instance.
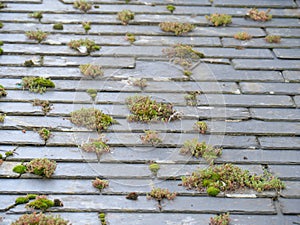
(273, 39)
(191, 98)
(227, 177)
(261, 16)
(222, 219)
(1, 43)
(160, 194)
(92, 93)
(183, 55)
(86, 26)
(201, 126)
(200, 149)
(144, 109)
(82, 5)
(31, 196)
(242, 36)
(3, 92)
(41, 202)
(21, 200)
(219, 19)
(88, 45)
(91, 118)
(187, 73)
(100, 184)
(40, 218)
(45, 104)
(37, 35)
(44, 134)
(90, 70)
(19, 169)
(151, 137)
(2, 117)
(102, 219)
(9, 153)
(154, 168)
(29, 63)
(58, 26)
(171, 8)
(130, 37)
(142, 83)
(99, 146)
(1, 157)
(1, 25)
(132, 196)
(1, 51)
(36, 15)
(37, 84)
(125, 16)
(176, 27)
(212, 191)
(42, 167)
(2, 5)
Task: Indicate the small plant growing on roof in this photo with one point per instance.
(40, 202)
(86, 26)
(176, 27)
(242, 36)
(140, 82)
(9, 153)
(200, 149)
(2, 5)
(159, 194)
(37, 84)
(151, 137)
(84, 45)
(99, 146)
(222, 219)
(3, 92)
(29, 63)
(273, 39)
(100, 184)
(42, 167)
(1, 25)
(40, 218)
(25, 199)
(191, 98)
(257, 15)
(82, 5)
(154, 168)
(37, 35)
(91, 118)
(92, 93)
(171, 8)
(20, 169)
(90, 70)
(200, 126)
(36, 15)
(2, 117)
(44, 134)
(102, 219)
(144, 109)
(125, 16)
(130, 37)
(132, 196)
(1, 51)
(58, 26)
(219, 19)
(227, 177)
(45, 104)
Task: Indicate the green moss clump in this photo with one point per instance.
(86, 26)
(100, 184)
(1, 43)
(176, 27)
(20, 169)
(82, 5)
(151, 137)
(29, 63)
(242, 36)
(91, 118)
(154, 168)
(261, 16)
(273, 39)
(1, 51)
(3, 92)
(44, 134)
(227, 177)
(58, 26)
(37, 84)
(222, 219)
(171, 8)
(92, 93)
(21, 200)
(36, 15)
(200, 149)
(1, 25)
(90, 70)
(37, 35)
(212, 191)
(191, 98)
(125, 16)
(144, 109)
(2, 117)
(160, 194)
(219, 19)
(9, 153)
(31, 196)
(2, 5)
(45, 104)
(102, 218)
(88, 45)
(130, 37)
(40, 218)
(42, 167)
(1, 157)
(40, 202)
(201, 126)
(99, 146)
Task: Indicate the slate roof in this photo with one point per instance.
(249, 97)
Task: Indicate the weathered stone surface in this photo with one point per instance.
(260, 43)
(284, 32)
(297, 100)
(275, 114)
(279, 142)
(19, 137)
(291, 76)
(291, 190)
(290, 206)
(289, 172)
(287, 53)
(266, 64)
(215, 205)
(270, 88)
(255, 3)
